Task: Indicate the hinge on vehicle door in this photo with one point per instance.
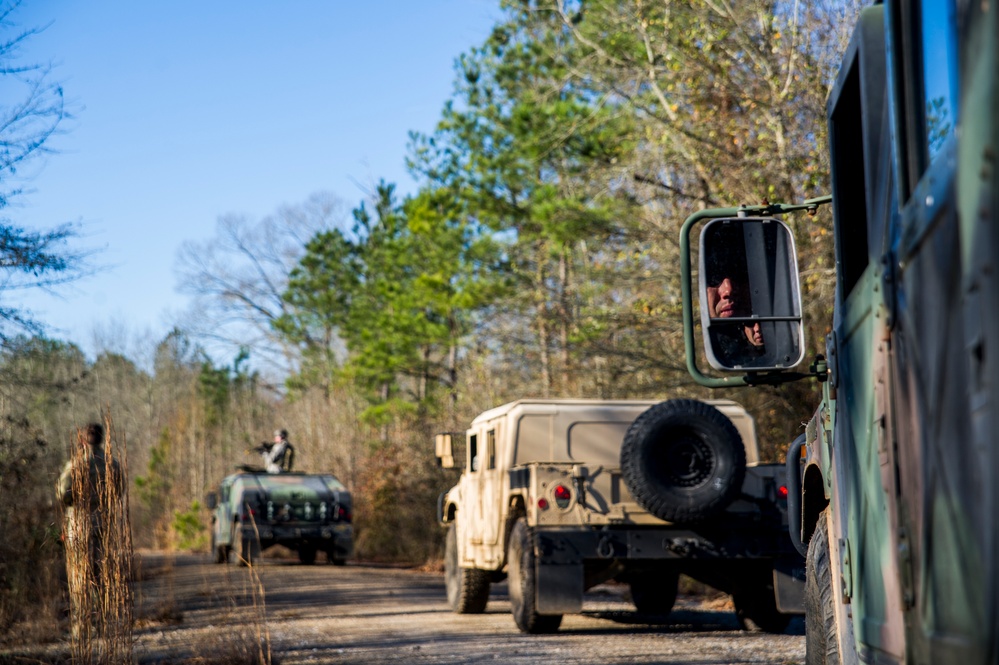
(905, 568)
(846, 569)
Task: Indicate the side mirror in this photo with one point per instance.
(442, 449)
(212, 500)
(750, 300)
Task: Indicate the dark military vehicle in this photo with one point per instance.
(254, 510)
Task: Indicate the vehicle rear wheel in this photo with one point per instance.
(523, 583)
(307, 555)
(821, 637)
(467, 588)
(654, 593)
(683, 460)
(756, 610)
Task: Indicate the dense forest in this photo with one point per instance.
(539, 257)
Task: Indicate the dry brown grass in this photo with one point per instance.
(239, 634)
(99, 554)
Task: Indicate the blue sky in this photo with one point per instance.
(192, 110)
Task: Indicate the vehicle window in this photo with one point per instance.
(939, 74)
(473, 452)
(491, 449)
(849, 185)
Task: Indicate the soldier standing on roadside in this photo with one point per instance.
(89, 487)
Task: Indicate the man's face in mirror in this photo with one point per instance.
(722, 300)
(726, 300)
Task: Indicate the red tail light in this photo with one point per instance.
(782, 491)
(563, 496)
(543, 503)
(343, 514)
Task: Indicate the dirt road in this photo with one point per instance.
(358, 614)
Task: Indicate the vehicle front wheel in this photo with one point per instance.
(821, 637)
(523, 583)
(467, 588)
(220, 553)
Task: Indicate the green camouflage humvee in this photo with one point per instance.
(894, 499)
(254, 510)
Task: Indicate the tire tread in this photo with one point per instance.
(643, 434)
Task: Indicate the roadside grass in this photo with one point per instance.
(240, 634)
(99, 555)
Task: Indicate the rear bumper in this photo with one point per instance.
(564, 556)
(337, 538)
(564, 546)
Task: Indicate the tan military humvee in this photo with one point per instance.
(561, 495)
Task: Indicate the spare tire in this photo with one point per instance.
(683, 461)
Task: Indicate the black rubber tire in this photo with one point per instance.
(821, 637)
(522, 583)
(756, 610)
(307, 555)
(655, 593)
(332, 558)
(467, 588)
(683, 461)
(220, 553)
(232, 555)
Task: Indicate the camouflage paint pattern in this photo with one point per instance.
(909, 465)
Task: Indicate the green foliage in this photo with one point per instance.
(154, 488)
(191, 534)
(216, 385)
(398, 296)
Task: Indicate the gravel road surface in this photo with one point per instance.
(363, 614)
(192, 612)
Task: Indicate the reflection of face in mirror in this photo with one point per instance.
(749, 301)
(728, 295)
(727, 298)
(721, 299)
